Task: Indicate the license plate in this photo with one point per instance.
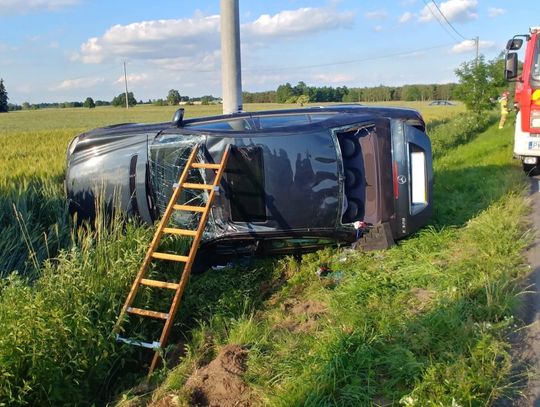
(534, 145)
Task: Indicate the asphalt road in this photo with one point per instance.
(529, 347)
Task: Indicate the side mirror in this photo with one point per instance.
(511, 66)
(514, 44)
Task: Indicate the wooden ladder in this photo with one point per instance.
(188, 260)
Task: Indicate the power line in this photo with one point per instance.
(350, 61)
(439, 21)
(448, 22)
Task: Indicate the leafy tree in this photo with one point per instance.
(89, 103)
(173, 98)
(120, 100)
(476, 85)
(3, 98)
(284, 93)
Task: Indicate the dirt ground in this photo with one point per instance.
(220, 382)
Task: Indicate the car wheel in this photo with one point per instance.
(352, 177)
(348, 148)
(353, 211)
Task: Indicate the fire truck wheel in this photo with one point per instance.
(531, 169)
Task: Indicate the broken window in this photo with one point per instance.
(168, 157)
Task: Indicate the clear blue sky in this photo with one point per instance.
(66, 50)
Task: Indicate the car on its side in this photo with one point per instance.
(296, 180)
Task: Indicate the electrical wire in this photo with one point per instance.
(439, 21)
(448, 22)
(350, 61)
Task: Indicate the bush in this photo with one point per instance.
(458, 130)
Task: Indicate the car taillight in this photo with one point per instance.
(396, 184)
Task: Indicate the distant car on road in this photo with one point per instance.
(441, 103)
(296, 180)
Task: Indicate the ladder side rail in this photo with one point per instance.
(157, 236)
(192, 253)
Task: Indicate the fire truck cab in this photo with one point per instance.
(527, 98)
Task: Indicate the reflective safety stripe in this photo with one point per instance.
(535, 97)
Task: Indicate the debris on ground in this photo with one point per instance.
(328, 277)
(220, 383)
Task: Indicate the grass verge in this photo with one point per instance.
(422, 324)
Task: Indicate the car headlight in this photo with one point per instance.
(72, 146)
(535, 119)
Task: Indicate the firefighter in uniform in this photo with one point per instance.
(503, 101)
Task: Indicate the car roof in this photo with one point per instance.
(336, 115)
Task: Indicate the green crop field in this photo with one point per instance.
(423, 324)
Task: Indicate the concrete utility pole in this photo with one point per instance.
(477, 41)
(125, 82)
(231, 70)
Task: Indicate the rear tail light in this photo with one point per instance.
(396, 185)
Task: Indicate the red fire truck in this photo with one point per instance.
(527, 98)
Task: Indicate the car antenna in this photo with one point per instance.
(178, 117)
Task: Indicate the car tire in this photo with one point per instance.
(352, 177)
(349, 147)
(353, 211)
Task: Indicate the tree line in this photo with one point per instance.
(480, 82)
(302, 93)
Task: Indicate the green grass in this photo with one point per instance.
(424, 322)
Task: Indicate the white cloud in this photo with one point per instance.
(333, 78)
(454, 11)
(196, 39)
(376, 14)
(300, 21)
(495, 12)
(133, 78)
(79, 83)
(470, 46)
(378, 28)
(405, 17)
(28, 6)
(154, 39)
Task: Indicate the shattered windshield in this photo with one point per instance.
(167, 158)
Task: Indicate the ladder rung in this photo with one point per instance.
(136, 342)
(167, 256)
(206, 165)
(147, 313)
(197, 186)
(189, 208)
(181, 232)
(159, 284)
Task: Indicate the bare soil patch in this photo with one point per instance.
(422, 298)
(220, 383)
(302, 316)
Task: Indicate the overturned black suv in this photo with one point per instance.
(295, 180)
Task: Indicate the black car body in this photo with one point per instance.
(296, 179)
